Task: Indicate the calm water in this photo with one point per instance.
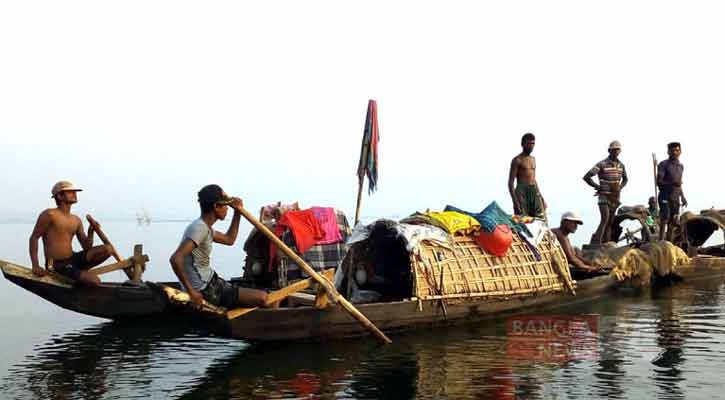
(668, 343)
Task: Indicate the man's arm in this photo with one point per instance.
(513, 172)
(85, 241)
(588, 179)
(625, 179)
(660, 173)
(571, 256)
(41, 227)
(231, 236)
(177, 264)
(543, 202)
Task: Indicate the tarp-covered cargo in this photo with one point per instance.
(380, 261)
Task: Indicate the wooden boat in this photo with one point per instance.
(310, 323)
(110, 300)
(450, 286)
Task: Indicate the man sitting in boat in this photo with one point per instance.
(526, 196)
(57, 226)
(190, 261)
(569, 224)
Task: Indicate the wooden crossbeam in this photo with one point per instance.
(281, 294)
(124, 264)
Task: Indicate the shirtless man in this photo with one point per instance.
(525, 195)
(569, 224)
(57, 226)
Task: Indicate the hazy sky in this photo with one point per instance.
(143, 102)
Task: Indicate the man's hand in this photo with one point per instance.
(237, 204)
(517, 208)
(196, 297)
(38, 270)
(684, 202)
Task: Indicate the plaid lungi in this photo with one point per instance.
(318, 257)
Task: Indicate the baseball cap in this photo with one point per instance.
(213, 194)
(615, 145)
(63, 186)
(571, 216)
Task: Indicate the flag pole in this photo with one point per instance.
(363, 165)
(359, 201)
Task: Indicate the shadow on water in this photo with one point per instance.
(124, 359)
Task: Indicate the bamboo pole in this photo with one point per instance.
(654, 170)
(359, 203)
(329, 287)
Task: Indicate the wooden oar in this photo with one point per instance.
(329, 287)
(104, 239)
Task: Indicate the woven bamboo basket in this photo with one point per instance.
(467, 271)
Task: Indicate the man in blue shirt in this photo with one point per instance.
(669, 181)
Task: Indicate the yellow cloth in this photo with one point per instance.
(665, 257)
(455, 222)
(659, 258)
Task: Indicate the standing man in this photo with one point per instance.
(526, 197)
(57, 226)
(569, 224)
(191, 259)
(612, 179)
(669, 181)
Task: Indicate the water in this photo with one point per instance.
(665, 344)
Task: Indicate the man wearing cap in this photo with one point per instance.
(57, 227)
(669, 181)
(526, 197)
(569, 224)
(612, 179)
(191, 259)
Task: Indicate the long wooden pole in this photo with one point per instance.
(329, 287)
(654, 170)
(359, 203)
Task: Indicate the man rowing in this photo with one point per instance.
(526, 197)
(191, 260)
(57, 227)
(612, 179)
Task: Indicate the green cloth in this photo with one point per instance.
(654, 212)
(529, 200)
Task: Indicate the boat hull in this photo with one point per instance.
(309, 323)
(110, 300)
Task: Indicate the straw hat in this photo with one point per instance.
(63, 186)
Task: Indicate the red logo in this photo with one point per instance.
(552, 338)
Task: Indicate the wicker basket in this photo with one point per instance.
(468, 271)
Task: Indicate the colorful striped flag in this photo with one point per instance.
(368, 164)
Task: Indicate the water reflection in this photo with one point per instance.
(133, 359)
(665, 344)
